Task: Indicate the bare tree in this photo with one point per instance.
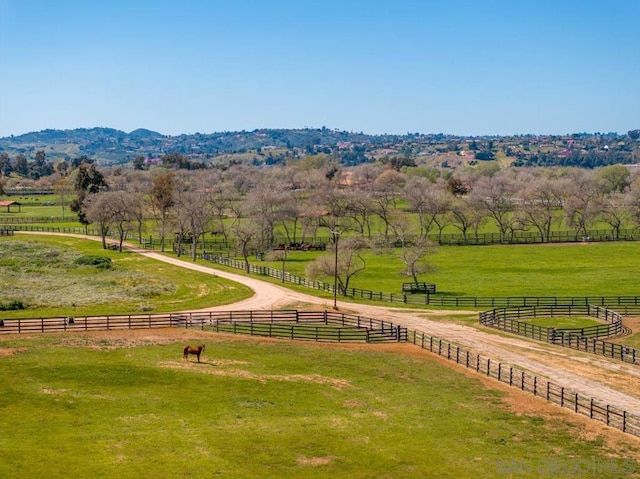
(387, 189)
(96, 210)
(264, 205)
(359, 210)
(63, 189)
(415, 258)
(120, 205)
(540, 199)
(193, 206)
(246, 233)
(222, 198)
(467, 217)
(584, 201)
(161, 199)
(494, 195)
(615, 212)
(350, 262)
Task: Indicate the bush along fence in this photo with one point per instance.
(588, 339)
(307, 325)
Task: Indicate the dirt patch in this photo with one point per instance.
(207, 367)
(632, 323)
(11, 351)
(314, 461)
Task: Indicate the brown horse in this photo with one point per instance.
(197, 350)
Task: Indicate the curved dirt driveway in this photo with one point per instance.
(612, 381)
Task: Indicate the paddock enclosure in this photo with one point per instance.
(339, 327)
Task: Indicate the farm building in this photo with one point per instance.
(9, 205)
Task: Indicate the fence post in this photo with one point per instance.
(548, 390)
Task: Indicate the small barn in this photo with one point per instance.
(9, 205)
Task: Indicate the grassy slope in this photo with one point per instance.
(75, 406)
(39, 270)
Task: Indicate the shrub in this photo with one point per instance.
(12, 305)
(101, 262)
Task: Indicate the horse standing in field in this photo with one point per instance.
(197, 350)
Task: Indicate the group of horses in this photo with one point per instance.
(195, 350)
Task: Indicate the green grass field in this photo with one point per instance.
(564, 322)
(115, 405)
(592, 269)
(40, 272)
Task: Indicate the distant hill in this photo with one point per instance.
(144, 133)
(109, 146)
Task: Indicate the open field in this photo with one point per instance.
(591, 269)
(41, 272)
(125, 404)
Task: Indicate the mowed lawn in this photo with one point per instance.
(125, 405)
(573, 269)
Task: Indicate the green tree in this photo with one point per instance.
(161, 198)
(89, 181)
(21, 167)
(5, 164)
(614, 178)
(138, 163)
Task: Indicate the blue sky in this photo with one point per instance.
(461, 66)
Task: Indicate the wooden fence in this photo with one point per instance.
(584, 339)
(21, 220)
(622, 304)
(290, 324)
(4, 232)
(565, 397)
(509, 319)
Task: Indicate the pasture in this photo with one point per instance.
(590, 269)
(42, 273)
(125, 404)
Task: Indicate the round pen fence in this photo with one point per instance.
(587, 339)
(512, 320)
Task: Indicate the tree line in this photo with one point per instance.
(369, 205)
